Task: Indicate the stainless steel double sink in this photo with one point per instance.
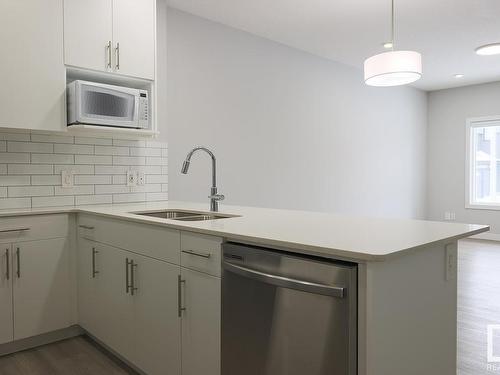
(183, 215)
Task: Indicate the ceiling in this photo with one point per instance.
(446, 32)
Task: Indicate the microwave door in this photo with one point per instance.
(105, 106)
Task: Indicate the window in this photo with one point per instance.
(483, 163)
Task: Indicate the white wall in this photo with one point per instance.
(289, 129)
(448, 111)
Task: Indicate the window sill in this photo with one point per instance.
(485, 206)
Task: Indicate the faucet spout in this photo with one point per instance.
(214, 196)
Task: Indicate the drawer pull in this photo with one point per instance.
(7, 260)
(23, 229)
(86, 227)
(94, 271)
(202, 255)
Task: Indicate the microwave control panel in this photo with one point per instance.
(143, 110)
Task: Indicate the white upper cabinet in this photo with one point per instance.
(134, 37)
(32, 73)
(115, 36)
(88, 34)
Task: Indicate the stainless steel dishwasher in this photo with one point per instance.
(284, 314)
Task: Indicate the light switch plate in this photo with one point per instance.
(67, 180)
(141, 178)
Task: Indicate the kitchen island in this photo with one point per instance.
(407, 270)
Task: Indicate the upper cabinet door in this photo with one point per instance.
(32, 71)
(88, 34)
(134, 34)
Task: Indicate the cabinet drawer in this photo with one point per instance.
(36, 227)
(149, 240)
(201, 252)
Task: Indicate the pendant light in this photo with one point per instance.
(393, 68)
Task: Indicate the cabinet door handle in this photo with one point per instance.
(109, 48)
(94, 271)
(117, 56)
(86, 227)
(127, 285)
(7, 259)
(18, 258)
(202, 255)
(180, 308)
(133, 266)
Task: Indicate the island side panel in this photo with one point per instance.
(408, 314)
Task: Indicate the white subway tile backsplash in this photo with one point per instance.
(111, 150)
(129, 160)
(12, 157)
(30, 191)
(76, 169)
(48, 138)
(93, 159)
(52, 201)
(46, 180)
(93, 199)
(75, 190)
(30, 169)
(140, 151)
(52, 159)
(93, 180)
(31, 165)
(110, 169)
(111, 189)
(132, 197)
(14, 180)
(29, 147)
(93, 141)
(9, 203)
(73, 149)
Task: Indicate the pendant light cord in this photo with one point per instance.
(392, 24)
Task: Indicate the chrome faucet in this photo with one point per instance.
(214, 197)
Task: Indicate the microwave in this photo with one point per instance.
(107, 105)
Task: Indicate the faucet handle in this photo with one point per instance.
(217, 197)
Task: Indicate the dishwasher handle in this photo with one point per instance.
(285, 282)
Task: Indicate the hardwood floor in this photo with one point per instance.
(76, 356)
(478, 305)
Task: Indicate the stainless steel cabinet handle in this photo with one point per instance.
(180, 308)
(18, 256)
(117, 56)
(127, 276)
(23, 229)
(94, 271)
(86, 227)
(133, 288)
(286, 282)
(109, 47)
(7, 259)
(202, 255)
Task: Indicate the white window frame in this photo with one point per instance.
(471, 123)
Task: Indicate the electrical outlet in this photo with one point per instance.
(141, 178)
(131, 178)
(67, 180)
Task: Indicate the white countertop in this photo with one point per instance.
(352, 238)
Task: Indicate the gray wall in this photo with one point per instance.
(448, 111)
(290, 130)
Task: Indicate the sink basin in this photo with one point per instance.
(184, 215)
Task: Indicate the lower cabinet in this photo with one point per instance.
(201, 323)
(162, 317)
(6, 312)
(129, 302)
(41, 287)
